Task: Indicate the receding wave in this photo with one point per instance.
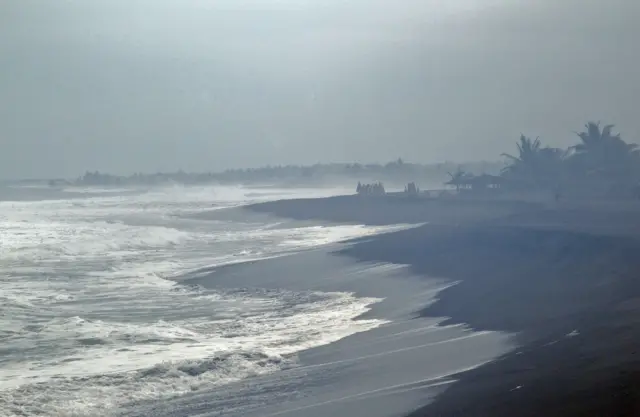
(93, 319)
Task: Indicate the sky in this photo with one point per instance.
(123, 86)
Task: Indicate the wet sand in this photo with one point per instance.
(389, 371)
(564, 278)
(542, 319)
(571, 297)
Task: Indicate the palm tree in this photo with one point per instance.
(535, 164)
(602, 152)
(528, 150)
(594, 139)
(458, 178)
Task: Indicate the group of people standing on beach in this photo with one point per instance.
(370, 189)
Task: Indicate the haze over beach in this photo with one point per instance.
(309, 208)
(147, 86)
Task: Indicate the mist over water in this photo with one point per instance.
(94, 316)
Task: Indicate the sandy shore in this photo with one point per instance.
(389, 371)
(565, 278)
(572, 298)
(391, 209)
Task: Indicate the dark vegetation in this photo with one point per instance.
(601, 163)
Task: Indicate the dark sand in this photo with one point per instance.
(388, 371)
(565, 278)
(544, 285)
(389, 209)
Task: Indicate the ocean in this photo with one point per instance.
(96, 316)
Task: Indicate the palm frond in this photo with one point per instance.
(513, 158)
(606, 132)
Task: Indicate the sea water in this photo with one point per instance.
(93, 317)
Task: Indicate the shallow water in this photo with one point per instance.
(388, 371)
(93, 319)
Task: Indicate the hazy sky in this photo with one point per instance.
(127, 85)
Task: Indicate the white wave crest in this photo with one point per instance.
(103, 395)
(103, 366)
(91, 318)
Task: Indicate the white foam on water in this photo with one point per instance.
(106, 365)
(91, 319)
(98, 190)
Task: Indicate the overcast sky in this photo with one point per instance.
(147, 85)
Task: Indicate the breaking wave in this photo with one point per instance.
(92, 318)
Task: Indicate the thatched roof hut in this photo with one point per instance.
(484, 181)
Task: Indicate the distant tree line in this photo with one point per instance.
(394, 171)
(600, 162)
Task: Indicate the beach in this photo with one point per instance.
(390, 370)
(561, 280)
(96, 316)
(214, 301)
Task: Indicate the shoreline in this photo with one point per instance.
(563, 278)
(558, 280)
(576, 326)
(373, 373)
